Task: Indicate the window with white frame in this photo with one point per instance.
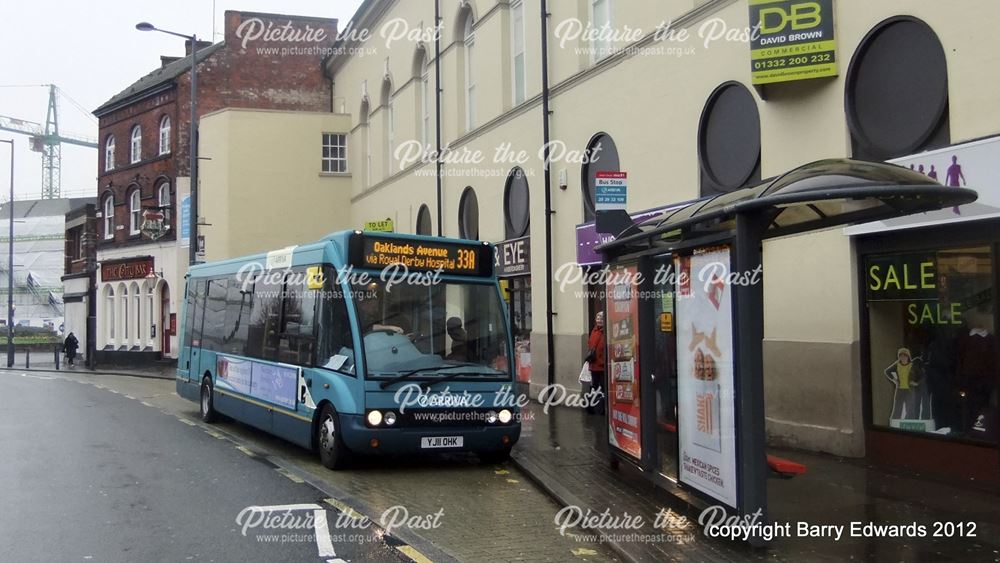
(600, 18)
(165, 134)
(109, 217)
(109, 153)
(163, 195)
(134, 212)
(137, 313)
(517, 49)
(470, 78)
(136, 145)
(334, 152)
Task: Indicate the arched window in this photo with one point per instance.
(389, 127)
(729, 140)
(468, 214)
(424, 226)
(469, 43)
(515, 205)
(109, 153)
(163, 195)
(165, 134)
(136, 145)
(123, 311)
(109, 216)
(134, 212)
(897, 91)
(601, 156)
(136, 312)
(109, 314)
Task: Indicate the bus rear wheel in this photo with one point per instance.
(207, 402)
(333, 454)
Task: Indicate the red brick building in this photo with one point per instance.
(266, 61)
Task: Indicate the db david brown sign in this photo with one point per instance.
(130, 269)
(792, 40)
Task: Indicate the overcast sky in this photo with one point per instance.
(91, 50)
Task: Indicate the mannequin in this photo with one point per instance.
(976, 371)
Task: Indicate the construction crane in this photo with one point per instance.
(47, 140)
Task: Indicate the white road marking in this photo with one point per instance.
(323, 541)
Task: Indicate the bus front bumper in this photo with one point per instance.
(359, 438)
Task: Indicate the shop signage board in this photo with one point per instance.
(792, 40)
(383, 226)
(976, 163)
(513, 257)
(132, 269)
(610, 191)
(622, 370)
(705, 374)
(186, 221)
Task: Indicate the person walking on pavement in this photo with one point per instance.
(70, 347)
(595, 358)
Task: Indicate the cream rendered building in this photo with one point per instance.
(649, 96)
(250, 203)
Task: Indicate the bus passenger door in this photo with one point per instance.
(196, 317)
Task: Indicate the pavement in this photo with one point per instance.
(566, 453)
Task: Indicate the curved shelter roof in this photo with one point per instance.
(819, 195)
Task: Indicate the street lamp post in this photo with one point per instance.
(10, 261)
(192, 137)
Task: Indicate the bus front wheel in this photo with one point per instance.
(207, 401)
(333, 454)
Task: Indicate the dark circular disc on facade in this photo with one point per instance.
(468, 214)
(729, 137)
(515, 200)
(602, 156)
(424, 220)
(897, 87)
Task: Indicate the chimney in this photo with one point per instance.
(165, 60)
(201, 45)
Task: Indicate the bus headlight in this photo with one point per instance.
(505, 416)
(491, 417)
(374, 418)
(389, 418)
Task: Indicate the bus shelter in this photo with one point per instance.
(684, 321)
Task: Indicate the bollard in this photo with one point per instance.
(27, 358)
(55, 351)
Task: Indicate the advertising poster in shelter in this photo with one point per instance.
(622, 370)
(705, 378)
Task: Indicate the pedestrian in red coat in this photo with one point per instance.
(596, 361)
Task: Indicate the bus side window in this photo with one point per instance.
(265, 316)
(297, 340)
(335, 339)
(213, 330)
(239, 297)
(198, 308)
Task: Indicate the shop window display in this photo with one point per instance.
(934, 353)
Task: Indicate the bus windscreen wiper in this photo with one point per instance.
(412, 372)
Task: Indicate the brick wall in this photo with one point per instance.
(269, 61)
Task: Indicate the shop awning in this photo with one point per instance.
(820, 195)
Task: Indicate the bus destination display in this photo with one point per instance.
(450, 258)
